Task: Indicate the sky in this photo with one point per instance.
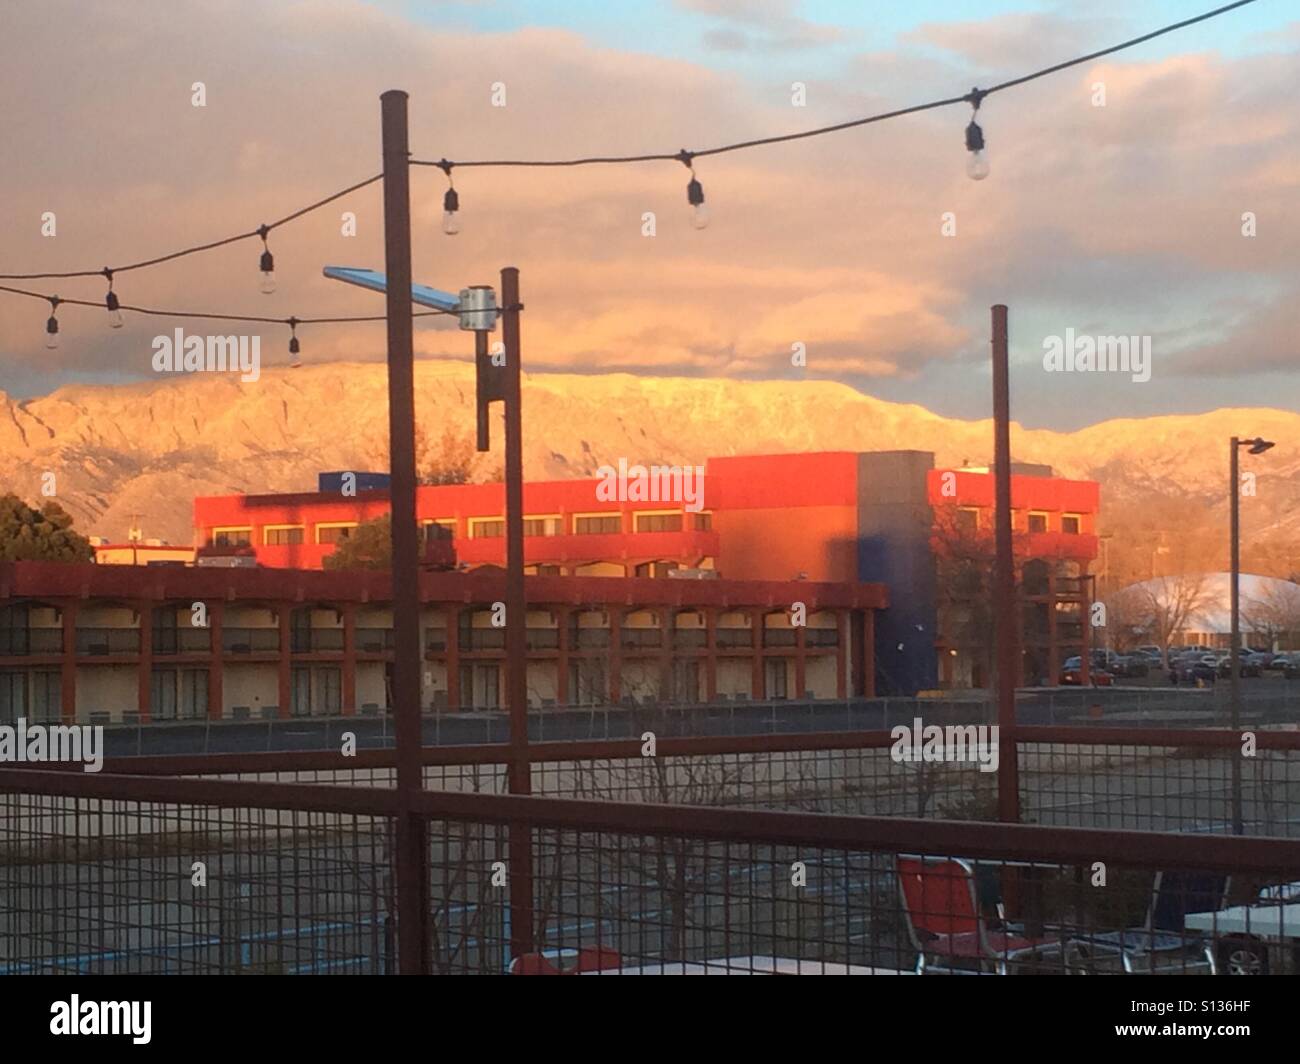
(1121, 199)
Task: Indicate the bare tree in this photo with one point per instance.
(1274, 613)
(1167, 604)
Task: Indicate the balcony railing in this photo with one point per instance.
(377, 640)
(734, 637)
(108, 641)
(21, 642)
(482, 639)
(821, 637)
(435, 639)
(642, 638)
(543, 638)
(315, 640)
(182, 640)
(250, 640)
(690, 638)
(591, 638)
(779, 637)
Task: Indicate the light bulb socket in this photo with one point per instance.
(695, 193)
(974, 137)
(293, 345)
(267, 264)
(110, 301)
(450, 201)
(52, 325)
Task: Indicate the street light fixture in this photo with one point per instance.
(1257, 445)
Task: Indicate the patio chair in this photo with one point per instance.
(947, 926)
(587, 959)
(1162, 944)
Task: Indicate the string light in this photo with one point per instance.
(450, 202)
(694, 192)
(111, 302)
(52, 325)
(977, 162)
(294, 348)
(266, 264)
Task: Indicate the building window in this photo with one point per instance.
(657, 570)
(334, 533)
(601, 524)
(489, 528)
(1071, 524)
(541, 526)
(1037, 521)
(439, 531)
(968, 519)
(702, 522)
(657, 522)
(282, 537)
(542, 570)
(232, 537)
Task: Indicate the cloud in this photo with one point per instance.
(1131, 211)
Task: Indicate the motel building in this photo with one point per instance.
(634, 601)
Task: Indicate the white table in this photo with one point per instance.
(749, 966)
(1271, 923)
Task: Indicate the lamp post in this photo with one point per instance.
(1258, 445)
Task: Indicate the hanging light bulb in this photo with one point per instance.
(111, 302)
(977, 162)
(695, 193)
(267, 265)
(294, 348)
(52, 326)
(450, 203)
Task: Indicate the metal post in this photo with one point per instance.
(1006, 622)
(409, 840)
(520, 769)
(1234, 655)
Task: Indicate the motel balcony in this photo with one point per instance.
(1062, 546)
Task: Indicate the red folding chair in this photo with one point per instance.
(945, 923)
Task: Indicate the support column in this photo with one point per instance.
(800, 661)
(144, 670)
(68, 667)
(452, 657)
(286, 658)
(756, 688)
(667, 615)
(615, 654)
(216, 660)
(868, 653)
(562, 618)
(711, 653)
(1053, 648)
(842, 620)
(349, 659)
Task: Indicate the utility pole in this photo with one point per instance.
(520, 766)
(1006, 620)
(410, 836)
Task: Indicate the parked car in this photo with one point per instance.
(1130, 665)
(1247, 665)
(1279, 662)
(1151, 651)
(1072, 674)
(1259, 660)
(1200, 668)
(1291, 670)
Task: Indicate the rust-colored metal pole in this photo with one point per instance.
(1006, 621)
(520, 769)
(409, 835)
(1234, 628)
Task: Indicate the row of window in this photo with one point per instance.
(479, 528)
(968, 519)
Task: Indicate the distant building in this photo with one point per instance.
(628, 599)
